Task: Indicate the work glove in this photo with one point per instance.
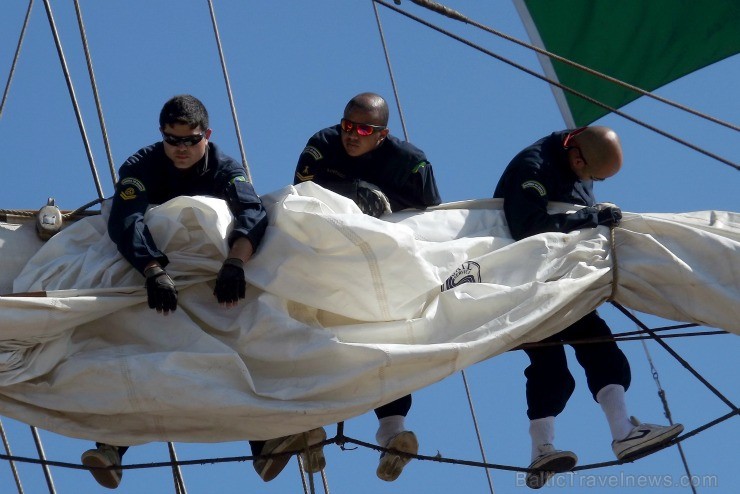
(230, 283)
(160, 290)
(608, 214)
(371, 200)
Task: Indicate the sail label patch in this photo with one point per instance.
(469, 272)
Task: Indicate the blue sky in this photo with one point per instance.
(293, 65)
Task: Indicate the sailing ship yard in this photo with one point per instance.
(273, 73)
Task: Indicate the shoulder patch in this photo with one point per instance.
(533, 184)
(315, 153)
(419, 166)
(129, 187)
(239, 178)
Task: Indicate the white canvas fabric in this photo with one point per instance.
(344, 312)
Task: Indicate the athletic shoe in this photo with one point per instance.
(269, 468)
(314, 461)
(549, 462)
(99, 459)
(644, 439)
(391, 465)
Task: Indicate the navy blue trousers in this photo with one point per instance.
(550, 383)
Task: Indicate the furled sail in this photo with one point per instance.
(344, 311)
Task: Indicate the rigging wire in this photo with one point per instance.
(13, 469)
(228, 91)
(390, 71)
(406, 137)
(176, 473)
(564, 87)
(73, 97)
(477, 430)
(675, 355)
(667, 410)
(453, 14)
(94, 86)
(15, 57)
(42, 457)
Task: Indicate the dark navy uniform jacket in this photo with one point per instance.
(538, 174)
(149, 177)
(398, 168)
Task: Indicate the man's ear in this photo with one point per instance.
(207, 134)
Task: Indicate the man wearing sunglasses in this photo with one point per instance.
(184, 163)
(562, 167)
(361, 160)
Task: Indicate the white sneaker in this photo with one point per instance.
(644, 439)
(391, 465)
(549, 462)
(102, 457)
(269, 468)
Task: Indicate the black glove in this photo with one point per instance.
(230, 283)
(608, 215)
(371, 200)
(160, 290)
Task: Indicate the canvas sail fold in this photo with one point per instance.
(344, 312)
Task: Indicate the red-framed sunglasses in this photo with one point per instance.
(362, 129)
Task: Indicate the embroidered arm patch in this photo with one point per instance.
(533, 184)
(128, 188)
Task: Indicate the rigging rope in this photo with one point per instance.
(228, 90)
(15, 57)
(564, 87)
(73, 97)
(453, 14)
(94, 86)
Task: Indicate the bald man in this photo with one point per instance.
(361, 160)
(562, 167)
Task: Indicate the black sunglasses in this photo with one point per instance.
(186, 140)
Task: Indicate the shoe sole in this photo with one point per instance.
(649, 447)
(107, 478)
(314, 461)
(297, 442)
(556, 464)
(391, 465)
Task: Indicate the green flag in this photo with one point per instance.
(646, 43)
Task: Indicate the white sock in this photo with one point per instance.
(611, 399)
(542, 431)
(389, 427)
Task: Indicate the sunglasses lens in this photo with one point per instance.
(364, 130)
(187, 140)
(347, 125)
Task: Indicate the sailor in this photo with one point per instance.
(184, 163)
(361, 160)
(562, 167)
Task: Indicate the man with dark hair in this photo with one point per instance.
(562, 167)
(359, 159)
(184, 163)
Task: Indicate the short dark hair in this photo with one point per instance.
(184, 109)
